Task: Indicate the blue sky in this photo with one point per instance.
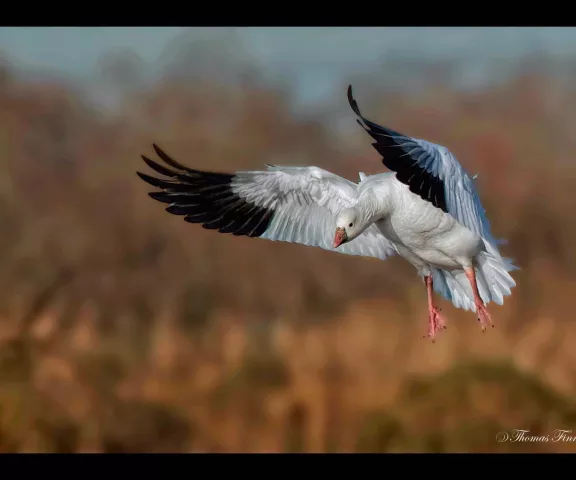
(313, 59)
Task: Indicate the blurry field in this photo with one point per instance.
(124, 329)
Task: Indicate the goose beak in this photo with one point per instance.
(340, 237)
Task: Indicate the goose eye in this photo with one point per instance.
(351, 225)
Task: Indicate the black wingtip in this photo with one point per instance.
(161, 153)
(353, 103)
(159, 168)
(169, 160)
(155, 182)
(158, 150)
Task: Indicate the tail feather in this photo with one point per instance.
(492, 276)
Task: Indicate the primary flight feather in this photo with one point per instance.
(426, 210)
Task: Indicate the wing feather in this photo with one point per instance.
(432, 172)
(290, 204)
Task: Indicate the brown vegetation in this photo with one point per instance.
(124, 329)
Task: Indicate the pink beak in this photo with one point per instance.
(340, 237)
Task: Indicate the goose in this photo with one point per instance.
(426, 210)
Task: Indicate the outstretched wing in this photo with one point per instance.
(430, 171)
(290, 204)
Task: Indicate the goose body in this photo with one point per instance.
(421, 233)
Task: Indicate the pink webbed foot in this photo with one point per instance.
(483, 316)
(435, 322)
(481, 311)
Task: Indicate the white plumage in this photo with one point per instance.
(306, 201)
(428, 212)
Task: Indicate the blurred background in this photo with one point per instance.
(125, 329)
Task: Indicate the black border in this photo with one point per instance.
(294, 13)
(190, 465)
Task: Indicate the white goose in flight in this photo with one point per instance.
(426, 210)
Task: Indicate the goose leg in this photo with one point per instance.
(481, 311)
(435, 321)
